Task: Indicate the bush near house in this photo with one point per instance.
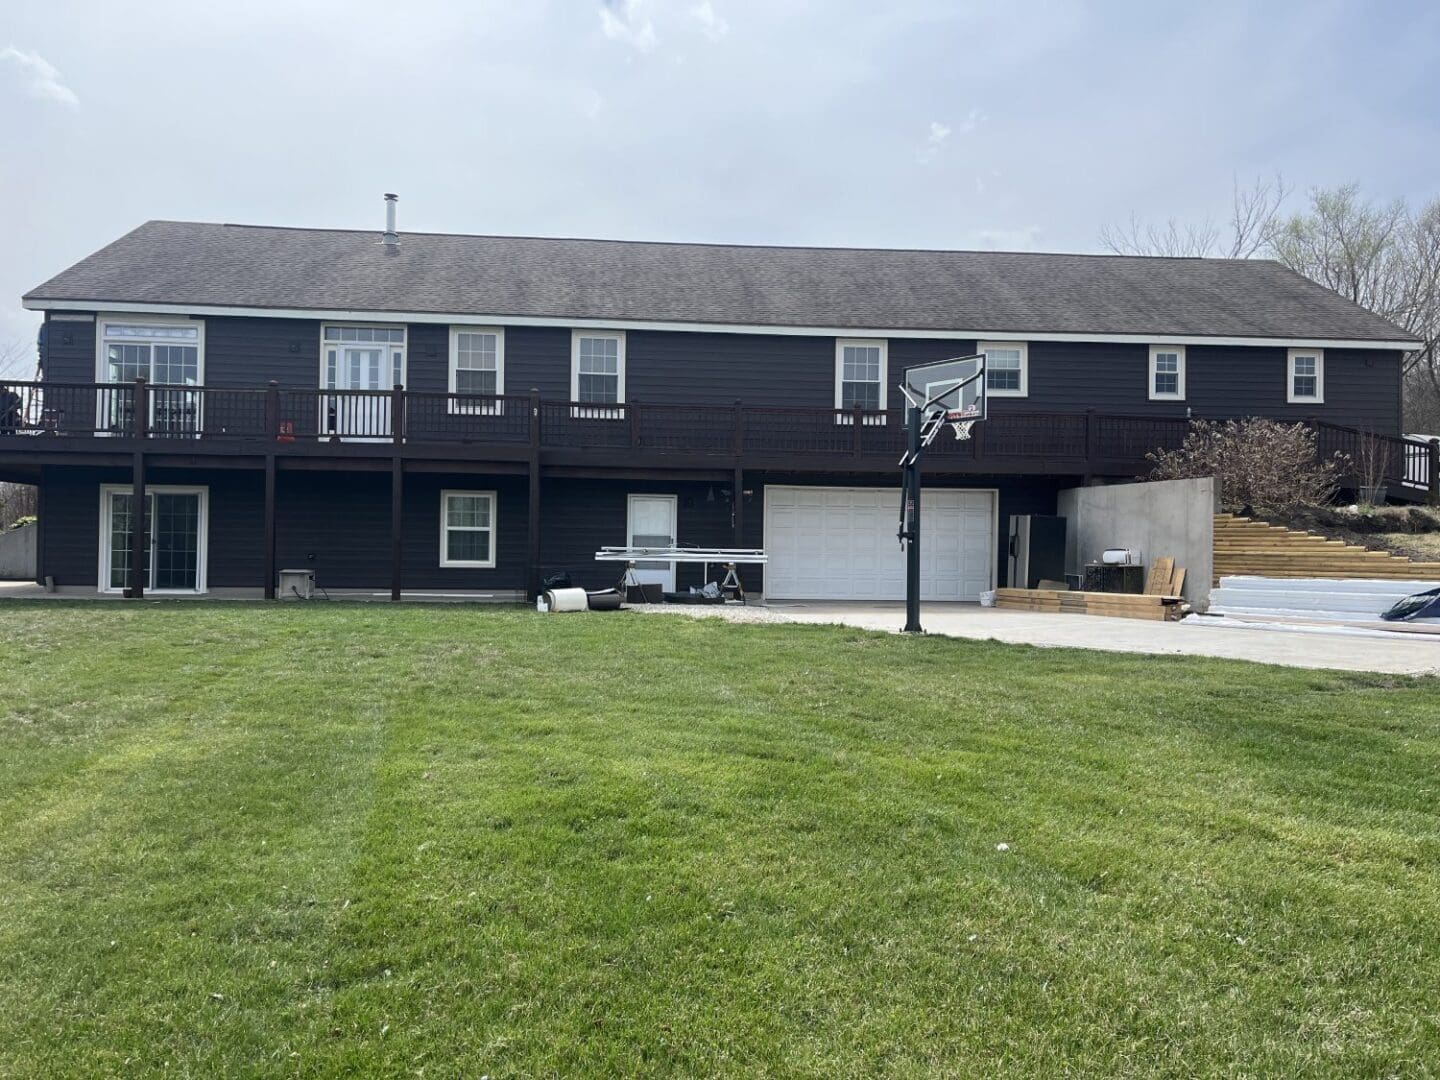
(1259, 465)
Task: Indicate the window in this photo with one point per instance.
(860, 374)
(1006, 368)
(597, 372)
(176, 528)
(1306, 380)
(166, 354)
(477, 366)
(1167, 372)
(467, 528)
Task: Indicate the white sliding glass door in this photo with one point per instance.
(364, 363)
(174, 542)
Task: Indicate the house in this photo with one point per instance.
(445, 413)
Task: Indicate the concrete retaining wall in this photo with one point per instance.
(17, 554)
(1166, 517)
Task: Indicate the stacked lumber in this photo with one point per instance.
(1118, 605)
(1259, 549)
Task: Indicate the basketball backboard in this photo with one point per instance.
(956, 386)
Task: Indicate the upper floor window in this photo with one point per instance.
(1007, 366)
(1167, 372)
(597, 371)
(166, 353)
(477, 368)
(860, 371)
(362, 357)
(1305, 381)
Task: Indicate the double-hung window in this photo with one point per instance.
(477, 369)
(467, 529)
(860, 373)
(1305, 378)
(1006, 368)
(1167, 372)
(597, 373)
(168, 355)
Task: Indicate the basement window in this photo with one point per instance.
(467, 529)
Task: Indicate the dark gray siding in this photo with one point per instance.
(69, 351)
(250, 352)
(1362, 387)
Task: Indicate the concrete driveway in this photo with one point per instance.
(1401, 655)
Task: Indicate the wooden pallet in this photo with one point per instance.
(1116, 605)
(1245, 546)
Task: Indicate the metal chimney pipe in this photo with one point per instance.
(392, 238)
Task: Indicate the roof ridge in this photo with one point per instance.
(716, 243)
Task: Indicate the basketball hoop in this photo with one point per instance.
(962, 428)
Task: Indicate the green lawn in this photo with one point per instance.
(449, 841)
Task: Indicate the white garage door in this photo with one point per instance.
(840, 543)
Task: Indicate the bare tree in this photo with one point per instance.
(17, 359)
(1254, 211)
(1386, 258)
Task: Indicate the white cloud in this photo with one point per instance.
(626, 21)
(973, 119)
(938, 134)
(714, 26)
(40, 78)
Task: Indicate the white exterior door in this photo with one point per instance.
(652, 525)
(840, 543)
(364, 416)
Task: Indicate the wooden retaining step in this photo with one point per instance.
(1117, 605)
(1246, 547)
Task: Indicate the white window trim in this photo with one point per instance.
(1290, 396)
(487, 408)
(868, 343)
(597, 412)
(202, 546)
(469, 564)
(1024, 347)
(1179, 351)
(389, 347)
(122, 319)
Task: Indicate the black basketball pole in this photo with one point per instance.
(910, 496)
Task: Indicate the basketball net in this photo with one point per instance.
(962, 428)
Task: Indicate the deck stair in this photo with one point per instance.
(1245, 547)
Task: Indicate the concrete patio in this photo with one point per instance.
(1398, 654)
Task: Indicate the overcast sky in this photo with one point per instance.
(848, 122)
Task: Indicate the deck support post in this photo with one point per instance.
(397, 504)
(737, 508)
(532, 534)
(268, 528)
(139, 530)
(139, 525)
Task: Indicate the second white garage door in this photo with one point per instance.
(839, 543)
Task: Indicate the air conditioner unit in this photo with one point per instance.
(296, 585)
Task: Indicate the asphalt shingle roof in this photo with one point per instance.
(202, 264)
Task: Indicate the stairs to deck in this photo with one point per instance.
(1256, 548)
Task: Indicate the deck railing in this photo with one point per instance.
(1065, 442)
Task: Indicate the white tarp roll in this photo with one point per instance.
(567, 600)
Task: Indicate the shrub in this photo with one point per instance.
(1259, 464)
